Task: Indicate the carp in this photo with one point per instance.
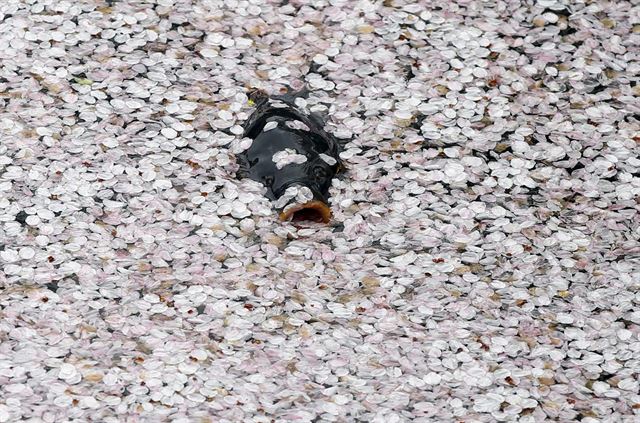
(292, 156)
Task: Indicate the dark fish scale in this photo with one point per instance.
(257, 162)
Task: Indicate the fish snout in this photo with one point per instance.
(315, 209)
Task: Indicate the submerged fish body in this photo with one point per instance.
(292, 156)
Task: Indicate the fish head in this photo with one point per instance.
(281, 128)
(315, 172)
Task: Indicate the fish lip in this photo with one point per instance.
(319, 206)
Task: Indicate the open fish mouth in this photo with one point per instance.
(311, 211)
(306, 204)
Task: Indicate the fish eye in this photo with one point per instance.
(319, 172)
(268, 180)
